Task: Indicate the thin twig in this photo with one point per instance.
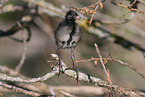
(19, 66)
(67, 94)
(101, 60)
(97, 81)
(32, 86)
(94, 14)
(2, 94)
(133, 3)
(98, 4)
(86, 10)
(132, 9)
(19, 90)
(115, 60)
(82, 77)
(126, 64)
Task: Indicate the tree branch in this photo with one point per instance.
(98, 82)
(107, 73)
(18, 90)
(19, 66)
(72, 74)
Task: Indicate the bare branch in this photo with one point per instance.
(81, 90)
(19, 66)
(72, 74)
(128, 7)
(115, 60)
(95, 29)
(107, 73)
(98, 82)
(19, 90)
(86, 10)
(18, 79)
(131, 5)
(67, 94)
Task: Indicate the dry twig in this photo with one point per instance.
(107, 73)
(72, 74)
(86, 10)
(19, 66)
(2, 94)
(19, 90)
(131, 5)
(126, 6)
(98, 82)
(115, 60)
(67, 94)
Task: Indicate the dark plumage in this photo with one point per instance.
(68, 34)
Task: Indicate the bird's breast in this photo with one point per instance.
(64, 33)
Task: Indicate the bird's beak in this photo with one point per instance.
(78, 17)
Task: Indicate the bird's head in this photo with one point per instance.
(71, 16)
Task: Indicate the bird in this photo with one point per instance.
(67, 35)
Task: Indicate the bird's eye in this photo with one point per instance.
(74, 17)
(69, 16)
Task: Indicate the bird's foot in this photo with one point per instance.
(77, 73)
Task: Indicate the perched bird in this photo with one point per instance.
(67, 34)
